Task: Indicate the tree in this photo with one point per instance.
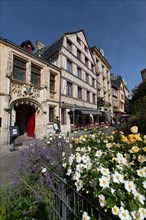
(139, 91)
(138, 107)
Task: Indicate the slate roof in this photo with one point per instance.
(53, 48)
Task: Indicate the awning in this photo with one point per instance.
(92, 112)
(86, 111)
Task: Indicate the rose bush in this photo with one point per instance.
(111, 172)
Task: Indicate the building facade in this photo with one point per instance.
(71, 53)
(118, 96)
(104, 98)
(29, 91)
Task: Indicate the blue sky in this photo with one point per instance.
(117, 26)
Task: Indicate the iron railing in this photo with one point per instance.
(68, 204)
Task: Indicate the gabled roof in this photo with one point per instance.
(55, 47)
(94, 48)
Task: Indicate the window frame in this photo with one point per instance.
(52, 79)
(78, 40)
(79, 92)
(79, 72)
(19, 68)
(88, 96)
(87, 77)
(86, 61)
(69, 66)
(51, 117)
(78, 54)
(63, 116)
(36, 73)
(69, 45)
(69, 89)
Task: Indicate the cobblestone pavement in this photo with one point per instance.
(9, 158)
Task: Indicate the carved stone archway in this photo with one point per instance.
(23, 113)
(27, 101)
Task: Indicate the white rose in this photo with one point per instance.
(134, 129)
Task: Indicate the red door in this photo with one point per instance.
(31, 125)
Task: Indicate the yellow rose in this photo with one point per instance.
(137, 137)
(131, 140)
(135, 149)
(144, 149)
(76, 140)
(124, 138)
(134, 129)
(144, 137)
(131, 136)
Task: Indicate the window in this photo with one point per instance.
(69, 89)
(94, 100)
(86, 62)
(79, 73)
(92, 67)
(79, 55)
(63, 116)
(122, 96)
(35, 75)
(51, 114)
(69, 45)
(86, 49)
(79, 93)
(52, 83)
(102, 69)
(78, 40)
(87, 77)
(19, 69)
(88, 96)
(69, 66)
(92, 82)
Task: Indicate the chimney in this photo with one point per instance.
(39, 48)
(27, 45)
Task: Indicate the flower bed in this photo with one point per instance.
(111, 172)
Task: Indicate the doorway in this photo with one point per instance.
(25, 119)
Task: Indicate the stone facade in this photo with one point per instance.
(72, 54)
(103, 83)
(26, 99)
(118, 94)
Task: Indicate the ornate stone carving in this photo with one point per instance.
(9, 65)
(26, 90)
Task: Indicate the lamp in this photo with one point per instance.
(143, 74)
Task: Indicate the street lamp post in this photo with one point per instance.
(74, 118)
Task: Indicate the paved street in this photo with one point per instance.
(8, 158)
